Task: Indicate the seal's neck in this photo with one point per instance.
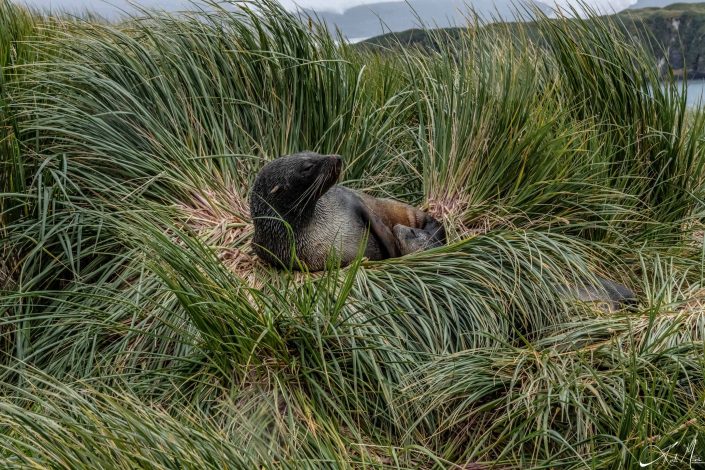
(298, 215)
(301, 215)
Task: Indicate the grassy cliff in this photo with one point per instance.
(137, 330)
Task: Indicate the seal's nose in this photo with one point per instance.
(337, 161)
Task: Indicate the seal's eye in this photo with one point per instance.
(306, 168)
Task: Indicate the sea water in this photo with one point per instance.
(695, 90)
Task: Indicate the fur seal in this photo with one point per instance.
(298, 209)
(412, 240)
(606, 295)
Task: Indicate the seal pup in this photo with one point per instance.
(298, 209)
(413, 240)
(606, 295)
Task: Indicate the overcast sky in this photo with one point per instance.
(105, 7)
(340, 5)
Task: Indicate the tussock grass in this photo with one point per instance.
(135, 320)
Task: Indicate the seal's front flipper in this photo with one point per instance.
(386, 240)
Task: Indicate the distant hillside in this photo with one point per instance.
(370, 20)
(658, 3)
(678, 33)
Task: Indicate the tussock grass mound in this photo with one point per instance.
(136, 321)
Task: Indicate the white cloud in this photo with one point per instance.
(341, 5)
(106, 7)
(337, 6)
(117, 5)
(604, 6)
(328, 5)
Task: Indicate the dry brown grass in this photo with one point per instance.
(221, 219)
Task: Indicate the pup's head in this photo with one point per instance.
(412, 240)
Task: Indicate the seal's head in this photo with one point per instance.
(411, 240)
(288, 186)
